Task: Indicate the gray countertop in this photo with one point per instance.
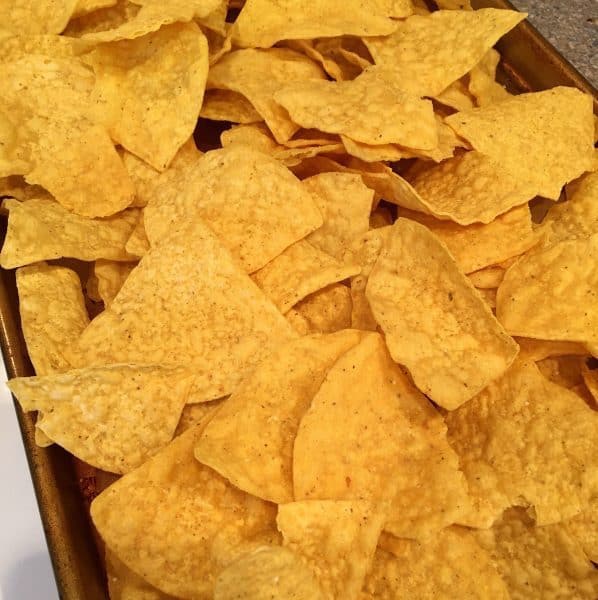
(571, 26)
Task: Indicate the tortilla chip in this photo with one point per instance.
(84, 7)
(250, 440)
(561, 305)
(102, 19)
(43, 230)
(447, 565)
(299, 271)
(525, 441)
(89, 412)
(137, 245)
(584, 528)
(538, 562)
(456, 96)
(368, 109)
(194, 414)
(111, 276)
(336, 538)
(544, 138)
(482, 80)
(536, 350)
(328, 64)
(268, 572)
(148, 106)
(17, 47)
(262, 23)
(184, 523)
(450, 359)
(15, 186)
(225, 105)
(477, 246)
(327, 310)
(428, 53)
(563, 370)
(244, 196)
(381, 217)
(30, 17)
(258, 75)
(590, 377)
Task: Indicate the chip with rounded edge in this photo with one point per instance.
(36, 16)
(226, 105)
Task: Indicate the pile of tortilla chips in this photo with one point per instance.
(316, 290)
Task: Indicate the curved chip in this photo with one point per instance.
(325, 311)
(225, 105)
(111, 276)
(36, 16)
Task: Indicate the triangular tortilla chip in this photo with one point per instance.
(110, 277)
(36, 16)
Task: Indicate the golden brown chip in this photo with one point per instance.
(43, 230)
(250, 440)
(194, 414)
(487, 278)
(225, 105)
(137, 245)
(482, 84)
(565, 371)
(584, 528)
(177, 523)
(113, 418)
(535, 350)
(218, 321)
(299, 271)
(16, 47)
(561, 304)
(258, 75)
(147, 105)
(428, 53)
(84, 7)
(36, 16)
(538, 562)
(545, 138)
(325, 311)
(446, 336)
(328, 64)
(336, 538)
(590, 377)
(529, 442)
(102, 19)
(262, 23)
(110, 278)
(380, 217)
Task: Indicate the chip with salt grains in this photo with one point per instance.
(262, 23)
(30, 17)
(148, 105)
(336, 538)
(225, 105)
(546, 139)
(538, 562)
(428, 53)
(525, 441)
(250, 440)
(562, 304)
(268, 572)
(325, 311)
(110, 277)
(43, 230)
(299, 271)
(218, 322)
(446, 336)
(89, 412)
(184, 523)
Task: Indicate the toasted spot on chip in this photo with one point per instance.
(110, 276)
(538, 562)
(561, 304)
(177, 523)
(268, 572)
(299, 271)
(337, 539)
(225, 105)
(327, 310)
(36, 16)
(482, 80)
(428, 53)
(250, 440)
(434, 321)
(526, 441)
(147, 105)
(544, 138)
(89, 411)
(368, 109)
(43, 230)
(262, 23)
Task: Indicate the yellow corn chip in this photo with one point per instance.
(369, 109)
(102, 19)
(16, 47)
(456, 96)
(336, 538)
(487, 278)
(544, 138)
(110, 276)
(137, 245)
(89, 412)
(36, 16)
(183, 521)
(268, 572)
(482, 80)
(262, 23)
(225, 105)
(529, 442)
(428, 53)
(250, 440)
(447, 337)
(563, 370)
(477, 246)
(84, 7)
(194, 414)
(453, 4)
(381, 217)
(447, 565)
(561, 305)
(43, 230)
(584, 528)
(538, 562)
(53, 314)
(299, 271)
(258, 75)
(244, 196)
(224, 325)
(328, 64)
(489, 297)
(325, 311)
(147, 105)
(590, 377)
(14, 186)
(536, 350)
(345, 203)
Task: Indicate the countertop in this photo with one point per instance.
(571, 26)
